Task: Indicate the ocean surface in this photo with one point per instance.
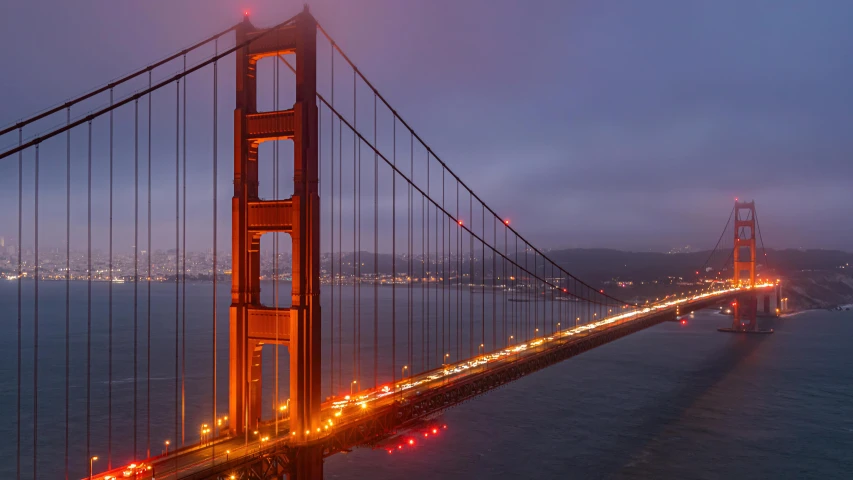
(673, 401)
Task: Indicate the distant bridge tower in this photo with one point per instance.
(744, 244)
(253, 325)
(745, 307)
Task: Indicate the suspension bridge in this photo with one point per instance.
(394, 289)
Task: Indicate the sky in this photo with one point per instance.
(624, 124)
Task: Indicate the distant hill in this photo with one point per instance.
(602, 264)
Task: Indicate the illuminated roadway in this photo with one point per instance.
(340, 413)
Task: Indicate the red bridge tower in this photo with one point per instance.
(253, 325)
(745, 305)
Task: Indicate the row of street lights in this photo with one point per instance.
(205, 436)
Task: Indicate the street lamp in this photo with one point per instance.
(227, 453)
(510, 339)
(166, 443)
(284, 407)
(481, 347)
(446, 358)
(352, 385)
(91, 461)
(402, 371)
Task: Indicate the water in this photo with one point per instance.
(669, 402)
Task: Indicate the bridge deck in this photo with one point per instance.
(370, 416)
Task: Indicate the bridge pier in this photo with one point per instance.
(306, 464)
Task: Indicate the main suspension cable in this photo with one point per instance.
(132, 98)
(358, 72)
(112, 85)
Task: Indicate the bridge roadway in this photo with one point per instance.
(372, 415)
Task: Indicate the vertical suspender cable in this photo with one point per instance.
(552, 298)
(375, 253)
(215, 214)
(524, 310)
(20, 274)
(427, 263)
(89, 303)
(438, 277)
(183, 258)
(148, 300)
(537, 294)
(110, 312)
(358, 244)
(68, 279)
(36, 299)
(505, 280)
(332, 227)
(177, 251)
(458, 276)
(483, 282)
(424, 319)
(393, 251)
(409, 240)
(135, 253)
(340, 253)
(354, 245)
(471, 277)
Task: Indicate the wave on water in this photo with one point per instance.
(130, 380)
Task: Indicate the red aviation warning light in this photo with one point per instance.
(460, 223)
(506, 222)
